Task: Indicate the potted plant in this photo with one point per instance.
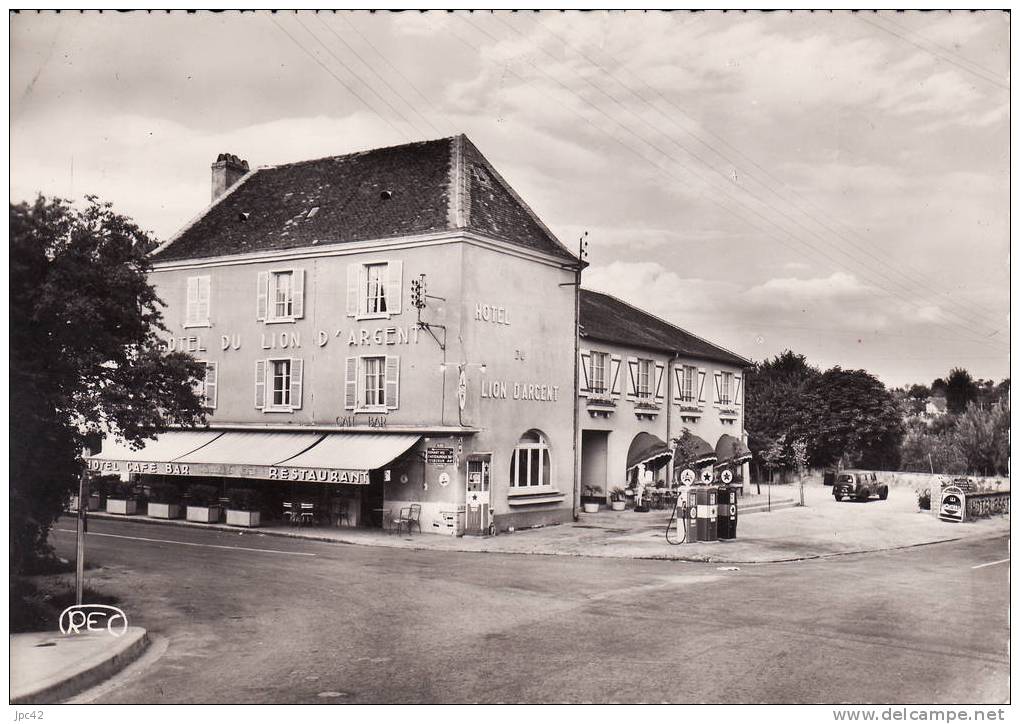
(592, 493)
(203, 504)
(619, 498)
(164, 501)
(243, 508)
(121, 500)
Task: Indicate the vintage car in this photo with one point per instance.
(859, 485)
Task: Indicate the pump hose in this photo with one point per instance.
(683, 516)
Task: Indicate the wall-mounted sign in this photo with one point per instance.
(385, 336)
(462, 389)
(444, 479)
(353, 421)
(492, 313)
(439, 455)
(386, 476)
(499, 390)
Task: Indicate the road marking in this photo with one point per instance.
(198, 545)
(993, 563)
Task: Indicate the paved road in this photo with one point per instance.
(252, 619)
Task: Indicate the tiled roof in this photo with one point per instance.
(432, 186)
(606, 318)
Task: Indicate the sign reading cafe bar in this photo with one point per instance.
(311, 475)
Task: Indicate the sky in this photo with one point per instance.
(832, 183)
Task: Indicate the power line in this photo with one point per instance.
(378, 75)
(675, 160)
(886, 18)
(919, 280)
(337, 78)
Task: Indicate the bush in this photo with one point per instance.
(243, 499)
(164, 493)
(924, 499)
(618, 493)
(120, 491)
(203, 495)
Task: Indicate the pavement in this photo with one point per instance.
(784, 532)
(252, 620)
(50, 667)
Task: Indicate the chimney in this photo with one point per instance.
(226, 171)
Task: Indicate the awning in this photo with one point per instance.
(354, 452)
(731, 450)
(646, 448)
(344, 458)
(700, 452)
(116, 456)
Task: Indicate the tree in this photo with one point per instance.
(982, 436)
(850, 415)
(938, 387)
(85, 355)
(774, 404)
(961, 390)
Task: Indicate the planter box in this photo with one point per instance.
(202, 514)
(169, 511)
(121, 507)
(619, 504)
(591, 507)
(244, 518)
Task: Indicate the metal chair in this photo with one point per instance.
(403, 518)
(307, 513)
(342, 513)
(288, 513)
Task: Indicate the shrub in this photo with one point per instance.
(243, 499)
(924, 499)
(120, 491)
(618, 493)
(164, 493)
(203, 495)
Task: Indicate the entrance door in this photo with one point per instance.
(476, 513)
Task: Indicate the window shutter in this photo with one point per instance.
(263, 297)
(678, 387)
(204, 294)
(392, 382)
(632, 367)
(210, 384)
(614, 375)
(351, 383)
(260, 384)
(191, 308)
(394, 286)
(353, 275)
(297, 369)
(718, 389)
(701, 385)
(584, 379)
(299, 293)
(736, 389)
(660, 368)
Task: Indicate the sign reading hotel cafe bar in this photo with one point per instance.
(264, 472)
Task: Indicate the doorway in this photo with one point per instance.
(476, 513)
(594, 466)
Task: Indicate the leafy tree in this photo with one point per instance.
(919, 392)
(938, 387)
(85, 355)
(926, 448)
(982, 436)
(774, 404)
(849, 415)
(961, 390)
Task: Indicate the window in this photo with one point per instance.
(280, 372)
(281, 295)
(530, 464)
(282, 286)
(726, 389)
(688, 384)
(374, 289)
(599, 362)
(208, 386)
(375, 299)
(373, 381)
(645, 375)
(197, 307)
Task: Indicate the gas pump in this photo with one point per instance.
(706, 512)
(727, 507)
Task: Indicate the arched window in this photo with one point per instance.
(530, 465)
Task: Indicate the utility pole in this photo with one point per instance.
(83, 506)
(582, 252)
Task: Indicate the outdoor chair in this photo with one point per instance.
(402, 519)
(409, 517)
(342, 514)
(288, 513)
(307, 513)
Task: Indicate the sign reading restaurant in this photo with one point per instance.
(310, 475)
